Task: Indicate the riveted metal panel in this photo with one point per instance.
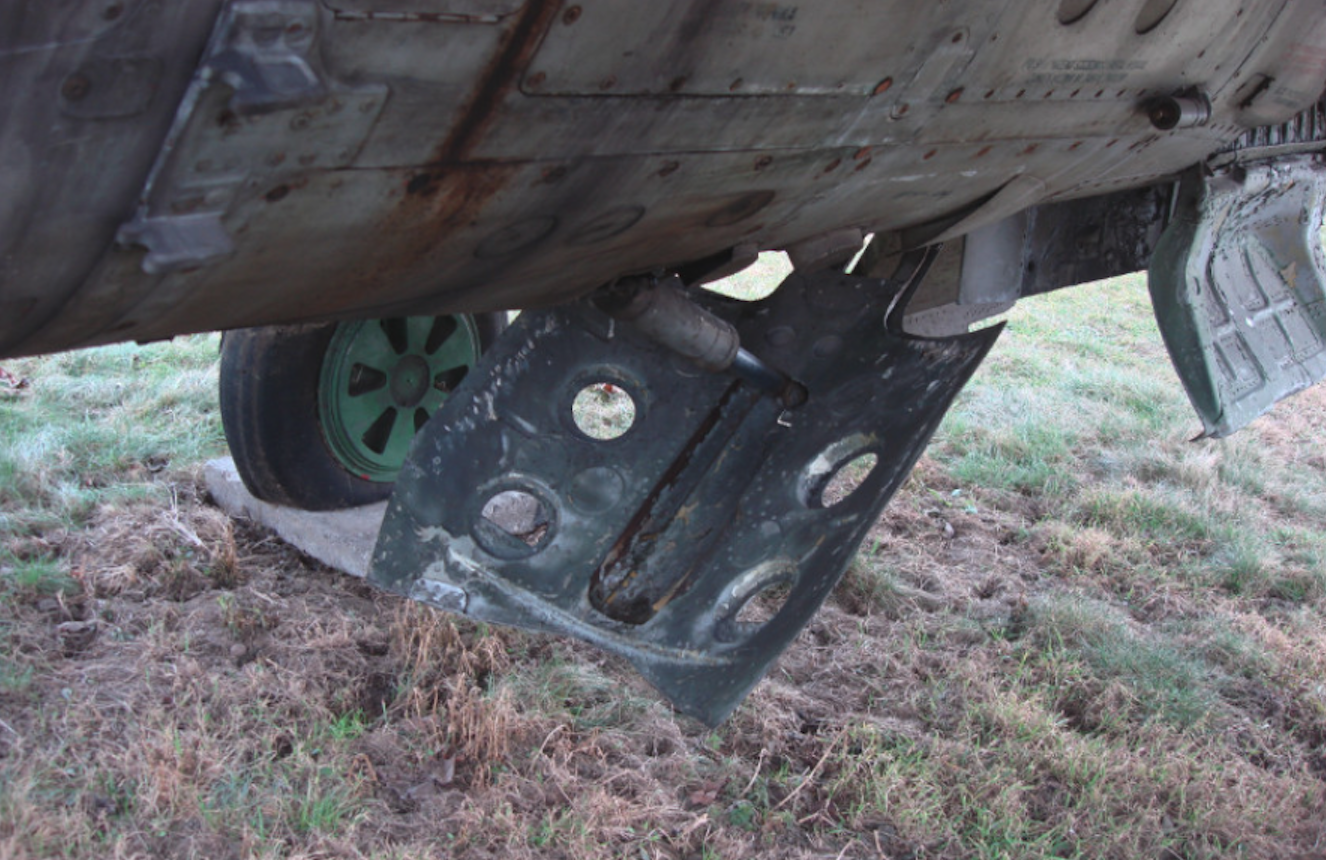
(326, 217)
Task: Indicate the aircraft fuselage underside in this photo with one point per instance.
(177, 167)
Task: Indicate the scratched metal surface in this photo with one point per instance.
(486, 154)
(653, 543)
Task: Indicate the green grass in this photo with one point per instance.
(1116, 456)
(1086, 644)
(13, 677)
(1075, 634)
(89, 426)
(1175, 573)
(38, 577)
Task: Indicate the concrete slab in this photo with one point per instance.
(340, 539)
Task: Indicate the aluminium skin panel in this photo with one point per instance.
(486, 155)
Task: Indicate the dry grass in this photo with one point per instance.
(1078, 636)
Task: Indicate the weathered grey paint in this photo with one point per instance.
(345, 158)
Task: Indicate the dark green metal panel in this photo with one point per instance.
(1239, 288)
(652, 545)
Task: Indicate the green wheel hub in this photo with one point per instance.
(381, 380)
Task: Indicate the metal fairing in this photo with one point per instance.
(652, 544)
(1239, 288)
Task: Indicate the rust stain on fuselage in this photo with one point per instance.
(497, 81)
(447, 194)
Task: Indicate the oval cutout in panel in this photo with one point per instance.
(755, 598)
(843, 466)
(847, 479)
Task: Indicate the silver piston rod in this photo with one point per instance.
(661, 311)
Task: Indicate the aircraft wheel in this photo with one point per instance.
(320, 417)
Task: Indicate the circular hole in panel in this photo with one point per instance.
(1153, 12)
(838, 471)
(762, 606)
(754, 599)
(514, 524)
(1072, 11)
(848, 478)
(603, 411)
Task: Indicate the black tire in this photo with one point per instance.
(269, 392)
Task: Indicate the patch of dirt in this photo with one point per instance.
(211, 693)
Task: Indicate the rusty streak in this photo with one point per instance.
(603, 591)
(424, 220)
(496, 80)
